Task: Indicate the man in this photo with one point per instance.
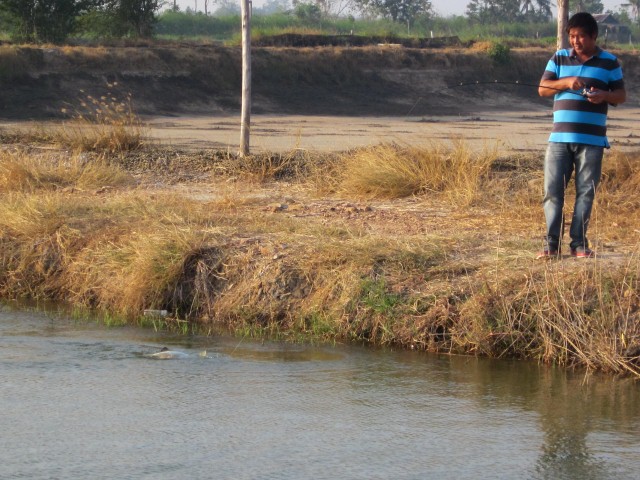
(585, 80)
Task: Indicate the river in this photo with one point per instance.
(81, 400)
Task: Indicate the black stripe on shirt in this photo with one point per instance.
(572, 127)
(580, 106)
(597, 62)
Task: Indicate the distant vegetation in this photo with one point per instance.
(184, 25)
(62, 20)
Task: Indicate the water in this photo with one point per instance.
(82, 401)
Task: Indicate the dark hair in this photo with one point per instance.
(585, 21)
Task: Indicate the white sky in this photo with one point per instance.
(443, 7)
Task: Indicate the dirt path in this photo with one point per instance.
(525, 131)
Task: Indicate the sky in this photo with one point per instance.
(443, 7)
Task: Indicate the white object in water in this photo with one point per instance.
(166, 354)
(155, 313)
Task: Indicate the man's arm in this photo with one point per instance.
(565, 83)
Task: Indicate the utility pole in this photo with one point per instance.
(245, 120)
(563, 20)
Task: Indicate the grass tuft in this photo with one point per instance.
(105, 124)
(24, 172)
(390, 171)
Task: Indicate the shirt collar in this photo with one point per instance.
(572, 53)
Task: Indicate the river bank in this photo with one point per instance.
(39, 82)
(357, 237)
(368, 245)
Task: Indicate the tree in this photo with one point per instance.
(228, 8)
(309, 12)
(273, 6)
(493, 11)
(138, 17)
(591, 6)
(540, 11)
(46, 20)
(634, 6)
(337, 7)
(404, 11)
(499, 11)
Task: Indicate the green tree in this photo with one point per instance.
(591, 6)
(309, 12)
(404, 11)
(501, 11)
(538, 11)
(493, 11)
(135, 17)
(46, 20)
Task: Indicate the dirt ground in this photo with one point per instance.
(522, 132)
(512, 131)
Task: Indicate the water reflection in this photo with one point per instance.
(589, 422)
(84, 401)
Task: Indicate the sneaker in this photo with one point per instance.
(548, 253)
(582, 252)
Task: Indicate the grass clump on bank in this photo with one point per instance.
(22, 172)
(389, 171)
(432, 261)
(105, 124)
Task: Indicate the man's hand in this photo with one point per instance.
(565, 83)
(614, 97)
(596, 96)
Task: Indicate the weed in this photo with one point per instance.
(499, 53)
(105, 124)
(390, 171)
(23, 172)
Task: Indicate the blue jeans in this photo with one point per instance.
(560, 161)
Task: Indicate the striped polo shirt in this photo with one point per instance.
(575, 120)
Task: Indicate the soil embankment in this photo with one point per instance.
(361, 245)
(37, 82)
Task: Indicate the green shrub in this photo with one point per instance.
(499, 53)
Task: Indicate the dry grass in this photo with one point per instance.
(389, 171)
(104, 124)
(23, 172)
(462, 282)
(586, 316)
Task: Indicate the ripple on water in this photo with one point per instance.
(85, 402)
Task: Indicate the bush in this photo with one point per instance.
(499, 53)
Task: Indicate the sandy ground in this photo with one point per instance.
(522, 131)
(513, 132)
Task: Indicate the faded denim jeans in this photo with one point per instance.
(560, 162)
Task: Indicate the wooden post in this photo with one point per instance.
(245, 120)
(563, 19)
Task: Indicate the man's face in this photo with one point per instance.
(581, 42)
